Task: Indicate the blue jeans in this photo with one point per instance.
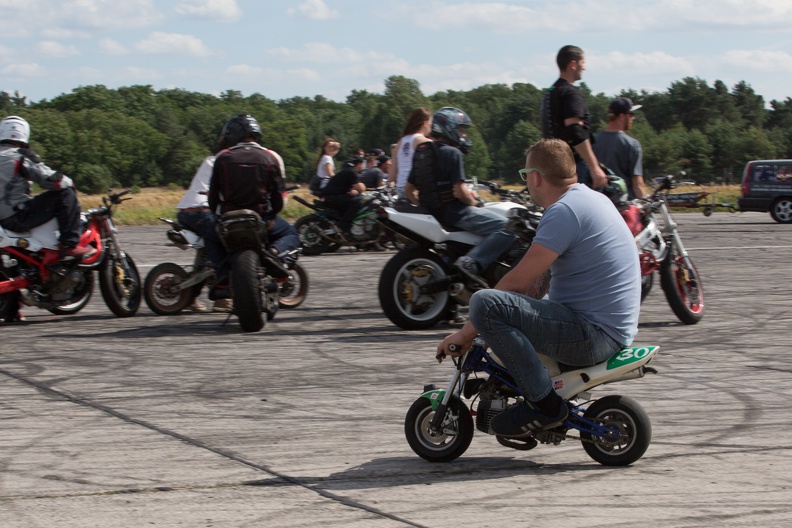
(583, 173)
(283, 237)
(490, 225)
(517, 327)
(204, 224)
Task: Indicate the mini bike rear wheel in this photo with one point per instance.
(629, 426)
(160, 289)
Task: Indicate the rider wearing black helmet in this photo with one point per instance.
(437, 182)
(248, 176)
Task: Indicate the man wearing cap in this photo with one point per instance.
(618, 151)
(565, 115)
(343, 191)
(376, 176)
(371, 158)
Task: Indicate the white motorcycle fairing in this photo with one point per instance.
(428, 227)
(40, 237)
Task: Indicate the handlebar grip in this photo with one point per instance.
(122, 193)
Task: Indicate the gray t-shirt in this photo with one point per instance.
(597, 274)
(622, 154)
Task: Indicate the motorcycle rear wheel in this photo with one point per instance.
(246, 290)
(120, 285)
(294, 290)
(450, 443)
(629, 418)
(310, 229)
(682, 287)
(82, 295)
(159, 289)
(399, 285)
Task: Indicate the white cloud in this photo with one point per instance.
(132, 72)
(315, 10)
(111, 47)
(245, 69)
(652, 63)
(159, 43)
(327, 53)
(50, 48)
(30, 69)
(76, 15)
(224, 10)
(759, 60)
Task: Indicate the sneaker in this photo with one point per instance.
(79, 253)
(197, 307)
(469, 268)
(223, 306)
(521, 419)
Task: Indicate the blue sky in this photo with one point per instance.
(282, 49)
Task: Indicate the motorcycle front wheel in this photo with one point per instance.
(400, 286)
(630, 425)
(159, 289)
(310, 229)
(82, 294)
(447, 444)
(120, 285)
(682, 286)
(295, 289)
(246, 290)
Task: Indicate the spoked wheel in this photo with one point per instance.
(294, 290)
(120, 284)
(453, 438)
(629, 431)
(400, 289)
(160, 289)
(82, 294)
(682, 286)
(310, 229)
(246, 290)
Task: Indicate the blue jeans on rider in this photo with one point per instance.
(204, 224)
(516, 327)
(583, 173)
(488, 224)
(283, 237)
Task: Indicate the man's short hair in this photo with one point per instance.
(555, 159)
(566, 55)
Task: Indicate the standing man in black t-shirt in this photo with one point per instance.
(565, 115)
(343, 191)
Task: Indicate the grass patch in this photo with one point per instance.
(146, 206)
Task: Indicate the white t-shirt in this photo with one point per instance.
(404, 157)
(321, 170)
(200, 182)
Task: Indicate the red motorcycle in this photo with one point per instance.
(31, 272)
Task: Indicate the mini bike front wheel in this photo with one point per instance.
(447, 444)
(630, 431)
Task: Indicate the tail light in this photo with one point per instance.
(746, 179)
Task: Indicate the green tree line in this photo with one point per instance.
(138, 136)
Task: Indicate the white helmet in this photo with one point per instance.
(14, 128)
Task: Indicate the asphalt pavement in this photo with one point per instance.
(183, 421)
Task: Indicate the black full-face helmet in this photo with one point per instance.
(451, 123)
(238, 128)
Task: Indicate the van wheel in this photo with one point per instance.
(781, 210)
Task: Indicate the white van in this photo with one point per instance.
(767, 186)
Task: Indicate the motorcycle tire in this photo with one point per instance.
(120, 285)
(451, 443)
(629, 418)
(646, 285)
(294, 290)
(246, 290)
(82, 294)
(682, 287)
(309, 229)
(159, 289)
(399, 283)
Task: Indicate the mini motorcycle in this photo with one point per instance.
(32, 273)
(169, 287)
(661, 249)
(614, 430)
(419, 287)
(320, 232)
